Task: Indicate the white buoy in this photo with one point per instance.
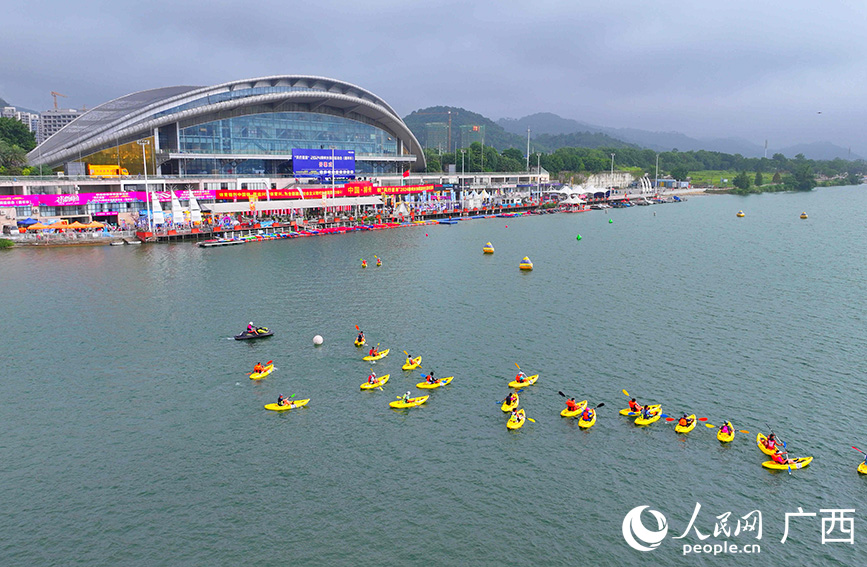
(317, 340)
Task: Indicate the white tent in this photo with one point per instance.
(195, 210)
(159, 217)
(401, 209)
(177, 210)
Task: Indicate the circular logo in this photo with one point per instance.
(635, 532)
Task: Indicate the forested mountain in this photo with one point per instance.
(495, 135)
(548, 123)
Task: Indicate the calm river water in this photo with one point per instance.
(132, 436)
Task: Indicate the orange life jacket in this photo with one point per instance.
(682, 422)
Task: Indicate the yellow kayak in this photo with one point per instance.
(260, 375)
(528, 381)
(382, 354)
(760, 441)
(359, 344)
(656, 414)
(687, 428)
(862, 468)
(798, 464)
(581, 405)
(629, 412)
(589, 423)
(509, 407)
(290, 405)
(412, 363)
(726, 438)
(439, 382)
(409, 403)
(512, 424)
(380, 381)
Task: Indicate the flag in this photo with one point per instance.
(406, 173)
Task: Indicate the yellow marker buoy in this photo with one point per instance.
(488, 248)
(526, 264)
(741, 214)
(804, 215)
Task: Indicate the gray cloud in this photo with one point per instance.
(754, 70)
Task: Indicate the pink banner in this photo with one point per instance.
(18, 200)
(85, 198)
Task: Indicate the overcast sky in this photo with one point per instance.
(750, 69)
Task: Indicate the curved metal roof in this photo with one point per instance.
(137, 114)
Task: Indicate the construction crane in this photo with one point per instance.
(55, 95)
(449, 112)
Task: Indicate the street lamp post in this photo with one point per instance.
(334, 209)
(539, 175)
(612, 171)
(463, 153)
(144, 166)
(656, 181)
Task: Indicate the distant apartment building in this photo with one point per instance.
(436, 136)
(29, 119)
(51, 121)
(471, 134)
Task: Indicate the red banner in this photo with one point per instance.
(349, 190)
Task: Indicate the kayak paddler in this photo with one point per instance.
(430, 378)
(521, 377)
(406, 397)
(571, 405)
(726, 428)
(372, 378)
(281, 401)
(634, 406)
(258, 368)
(516, 417)
(360, 338)
(645, 413)
(409, 360)
(510, 399)
(771, 442)
(684, 421)
(779, 458)
(373, 351)
(587, 414)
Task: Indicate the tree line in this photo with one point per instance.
(793, 173)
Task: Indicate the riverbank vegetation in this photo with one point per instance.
(701, 168)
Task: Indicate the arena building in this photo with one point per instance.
(248, 127)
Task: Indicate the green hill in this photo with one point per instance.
(493, 134)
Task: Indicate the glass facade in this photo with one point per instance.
(280, 132)
(128, 156)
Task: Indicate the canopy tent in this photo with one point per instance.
(28, 221)
(59, 225)
(402, 210)
(159, 216)
(76, 224)
(244, 206)
(37, 226)
(195, 209)
(177, 210)
(94, 224)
